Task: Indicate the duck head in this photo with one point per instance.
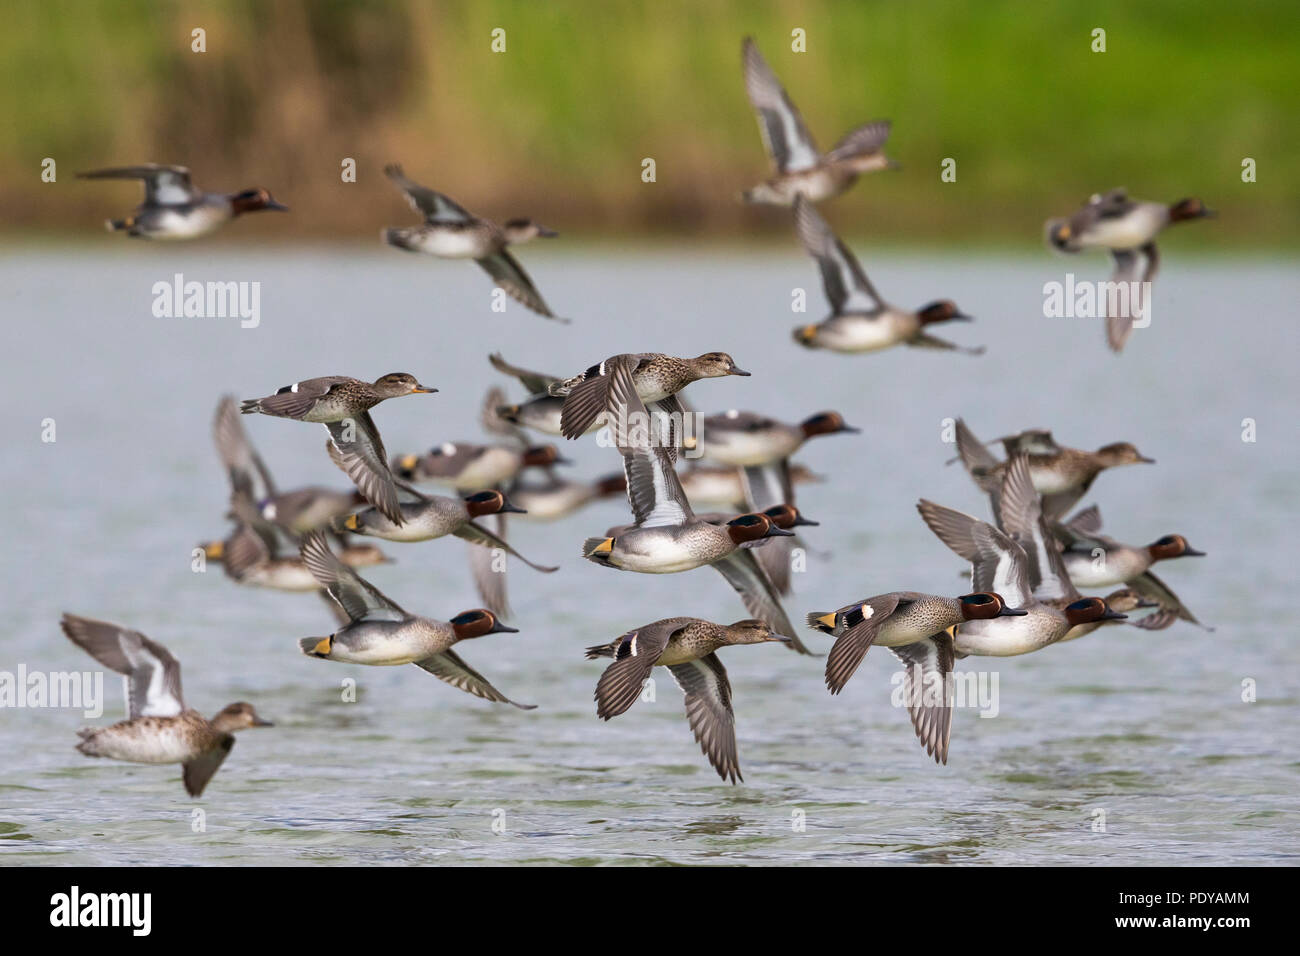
(1089, 610)
(363, 556)
(238, 716)
(986, 605)
(396, 384)
(610, 485)
(753, 527)
(1127, 599)
(825, 423)
(478, 623)
(540, 456)
(716, 365)
(944, 310)
(787, 517)
(254, 200)
(1186, 209)
(1172, 546)
(1122, 453)
(525, 230)
(490, 503)
(753, 631)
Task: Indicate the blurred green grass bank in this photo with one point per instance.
(559, 123)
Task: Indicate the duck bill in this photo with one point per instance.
(800, 521)
(262, 722)
(499, 628)
(422, 390)
(850, 429)
(1145, 460)
(738, 371)
(545, 233)
(775, 532)
(508, 508)
(1012, 612)
(1113, 616)
(781, 638)
(277, 206)
(1193, 553)
(1147, 602)
(962, 317)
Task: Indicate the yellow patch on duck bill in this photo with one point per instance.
(605, 547)
(323, 646)
(827, 621)
(1063, 232)
(808, 333)
(214, 550)
(408, 461)
(690, 442)
(351, 523)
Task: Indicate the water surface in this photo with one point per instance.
(1148, 728)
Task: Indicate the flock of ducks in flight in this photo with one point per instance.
(1027, 563)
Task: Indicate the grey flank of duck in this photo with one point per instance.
(918, 629)
(469, 466)
(379, 633)
(687, 646)
(433, 516)
(1061, 475)
(161, 728)
(450, 232)
(174, 208)
(800, 167)
(342, 404)
(668, 537)
(1127, 228)
(541, 411)
(658, 378)
(999, 563)
(860, 320)
(745, 439)
(553, 497)
(1094, 560)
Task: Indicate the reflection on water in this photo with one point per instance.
(1148, 728)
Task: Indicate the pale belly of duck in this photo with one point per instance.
(143, 740)
(454, 244)
(659, 554)
(283, 575)
(1136, 229)
(166, 224)
(494, 467)
(421, 521)
(814, 185)
(749, 448)
(1009, 636)
(1109, 568)
(384, 644)
(1050, 481)
(860, 333)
